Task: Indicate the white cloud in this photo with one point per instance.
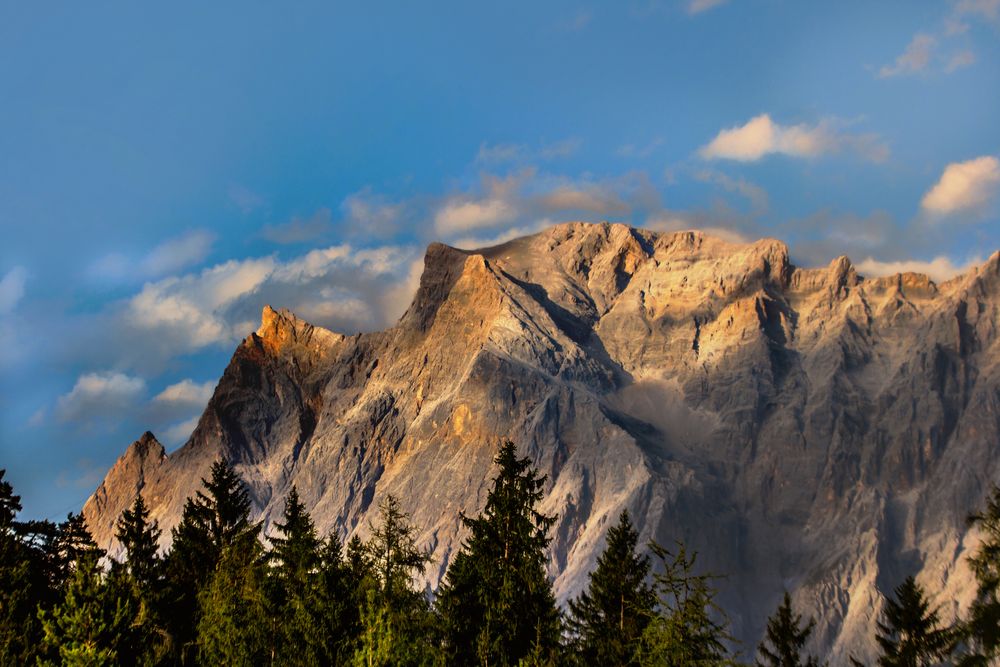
(178, 434)
(177, 254)
(460, 216)
(939, 269)
(171, 256)
(12, 289)
(915, 58)
(187, 393)
(761, 136)
(98, 395)
(964, 186)
(371, 215)
(698, 6)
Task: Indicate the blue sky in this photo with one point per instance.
(166, 172)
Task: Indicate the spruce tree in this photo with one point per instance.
(983, 624)
(909, 632)
(496, 602)
(216, 518)
(340, 603)
(139, 538)
(302, 634)
(690, 628)
(233, 625)
(786, 636)
(395, 622)
(141, 576)
(610, 616)
(23, 585)
(91, 624)
(73, 544)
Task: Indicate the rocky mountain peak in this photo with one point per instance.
(807, 429)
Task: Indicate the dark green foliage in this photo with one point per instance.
(23, 585)
(983, 625)
(233, 624)
(73, 544)
(785, 639)
(608, 618)
(214, 520)
(297, 591)
(139, 539)
(687, 630)
(909, 632)
(395, 621)
(92, 622)
(496, 603)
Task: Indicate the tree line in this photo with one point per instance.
(225, 595)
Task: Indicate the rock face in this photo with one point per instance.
(803, 429)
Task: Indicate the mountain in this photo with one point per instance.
(808, 429)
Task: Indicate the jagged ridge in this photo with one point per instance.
(803, 428)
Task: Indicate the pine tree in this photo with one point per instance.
(610, 616)
(141, 577)
(301, 632)
(909, 632)
(496, 602)
(340, 604)
(22, 585)
(785, 639)
(395, 620)
(73, 544)
(233, 625)
(983, 624)
(92, 622)
(687, 629)
(212, 521)
(393, 555)
(139, 538)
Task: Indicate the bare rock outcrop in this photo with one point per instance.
(803, 429)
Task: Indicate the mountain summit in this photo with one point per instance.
(803, 429)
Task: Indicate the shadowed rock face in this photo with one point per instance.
(806, 429)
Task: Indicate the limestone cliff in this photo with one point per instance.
(807, 429)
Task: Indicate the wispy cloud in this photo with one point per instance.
(577, 21)
(245, 199)
(12, 289)
(170, 256)
(492, 154)
(959, 60)
(699, 6)
(300, 230)
(914, 59)
(761, 136)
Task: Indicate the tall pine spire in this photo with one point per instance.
(496, 602)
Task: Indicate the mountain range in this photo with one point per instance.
(803, 429)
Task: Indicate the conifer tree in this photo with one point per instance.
(233, 625)
(786, 636)
(139, 538)
(302, 634)
(909, 632)
(687, 630)
(983, 624)
(608, 618)
(496, 602)
(141, 577)
(395, 620)
(22, 585)
(213, 520)
(91, 624)
(340, 603)
(73, 544)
